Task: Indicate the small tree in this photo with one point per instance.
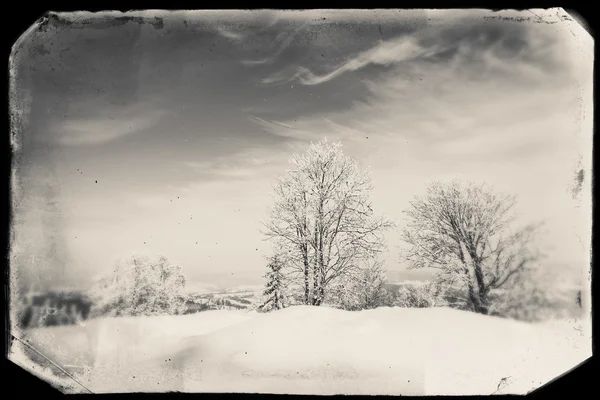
(141, 285)
(369, 286)
(464, 231)
(361, 290)
(274, 290)
(429, 294)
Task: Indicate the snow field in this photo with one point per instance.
(319, 350)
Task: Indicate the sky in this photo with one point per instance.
(165, 131)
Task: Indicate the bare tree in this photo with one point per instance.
(322, 219)
(464, 231)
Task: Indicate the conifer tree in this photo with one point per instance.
(275, 298)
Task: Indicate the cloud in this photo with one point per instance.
(235, 166)
(270, 124)
(385, 53)
(476, 39)
(277, 78)
(481, 96)
(310, 128)
(199, 165)
(99, 130)
(285, 43)
(231, 35)
(219, 168)
(396, 51)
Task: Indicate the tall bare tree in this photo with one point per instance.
(464, 230)
(321, 218)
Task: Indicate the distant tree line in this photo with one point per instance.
(52, 309)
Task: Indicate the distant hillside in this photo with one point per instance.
(239, 298)
(249, 297)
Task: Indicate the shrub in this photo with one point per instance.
(361, 291)
(141, 285)
(429, 294)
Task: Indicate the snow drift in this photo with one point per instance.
(318, 350)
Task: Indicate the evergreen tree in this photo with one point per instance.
(275, 299)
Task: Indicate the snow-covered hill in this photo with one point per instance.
(317, 350)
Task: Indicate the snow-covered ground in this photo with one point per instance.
(318, 350)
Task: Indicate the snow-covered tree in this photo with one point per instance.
(423, 295)
(464, 230)
(370, 286)
(141, 285)
(362, 289)
(322, 220)
(274, 292)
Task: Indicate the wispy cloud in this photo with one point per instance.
(269, 124)
(223, 168)
(481, 103)
(234, 166)
(92, 131)
(309, 128)
(385, 53)
(493, 44)
(288, 38)
(230, 34)
(279, 77)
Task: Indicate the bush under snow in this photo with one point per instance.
(140, 285)
(426, 294)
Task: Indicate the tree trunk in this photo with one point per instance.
(321, 268)
(478, 304)
(304, 251)
(320, 295)
(316, 286)
(306, 287)
(322, 288)
(482, 290)
(316, 266)
(477, 297)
